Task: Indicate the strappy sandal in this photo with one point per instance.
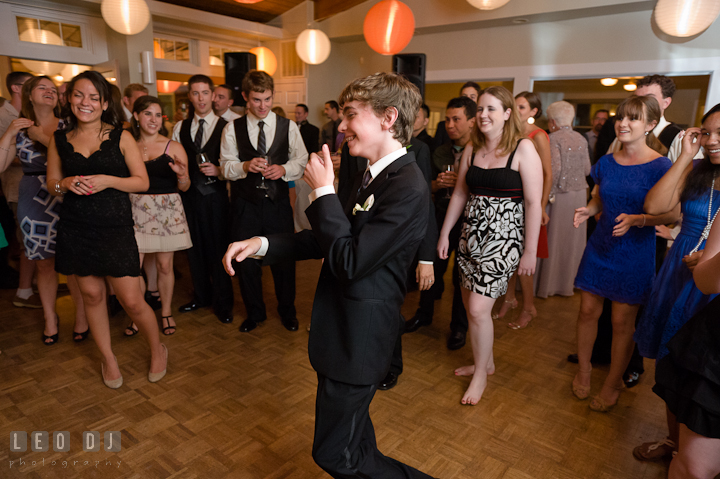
(515, 325)
(168, 327)
(513, 304)
(131, 330)
(581, 392)
(79, 337)
(53, 338)
(655, 451)
(598, 403)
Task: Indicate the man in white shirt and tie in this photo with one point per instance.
(260, 153)
(206, 203)
(222, 101)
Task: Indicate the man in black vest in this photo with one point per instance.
(260, 153)
(309, 132)
(205, 202)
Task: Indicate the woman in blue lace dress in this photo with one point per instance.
(619, 259)
(675, 298)
(27, 138)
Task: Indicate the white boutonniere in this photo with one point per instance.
(366, 206)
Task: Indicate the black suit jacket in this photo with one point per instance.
(311, 136)
(356, 312)
(352, 166)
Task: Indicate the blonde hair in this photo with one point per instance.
(647, 109)
(512, 130)
(387, 90)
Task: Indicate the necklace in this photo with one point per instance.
(144, 149)
(711, 219)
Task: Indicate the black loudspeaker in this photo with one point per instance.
(237, 64)
(412, 67)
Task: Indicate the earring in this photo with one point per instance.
(531, 120)
(647, 133)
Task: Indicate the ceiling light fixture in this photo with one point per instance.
(128, 17)
(685, 18)
(630, 87)
(487, 4)
(609, 81)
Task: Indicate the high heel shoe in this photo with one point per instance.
(168, 327)
(516, 325)
(79, 337)
(54, 338)
(581, 392)
(513, 304)
(155, 377)
(598, 403)
(111, 383)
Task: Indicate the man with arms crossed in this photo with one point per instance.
(368, 247)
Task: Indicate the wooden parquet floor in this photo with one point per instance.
(241, 405)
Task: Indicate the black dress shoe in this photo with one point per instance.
(291, 324)
(191, 306)
(456, 340)
(389, 382)
(414, 323)
(631, 378)
(248, 325)
(225, 318)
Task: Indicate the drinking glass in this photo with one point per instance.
(448, 169)
(263, 185)
(201, 159)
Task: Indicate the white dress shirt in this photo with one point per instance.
(210, 121)
(232, 165)
(230, 116)
(128, 113)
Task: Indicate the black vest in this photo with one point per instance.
(211, 149)
(668, 134)
(246, 188)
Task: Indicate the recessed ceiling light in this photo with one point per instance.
(630, 87)
(609, 81)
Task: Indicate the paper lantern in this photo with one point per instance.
(487, 4)
(685, 18)
(266, 60)
(128, 17)
(389, 27)
(47, 38)
(168, 86)
(312, 46)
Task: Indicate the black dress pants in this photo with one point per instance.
(207, 217)
(265, 218)
(344, 445)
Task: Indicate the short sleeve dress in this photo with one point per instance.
(95, 232)
(493, 229)
(621, 268)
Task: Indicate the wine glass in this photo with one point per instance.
(263, 185)
(449, 169)
(201, 159)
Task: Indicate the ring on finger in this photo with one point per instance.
(77, 183)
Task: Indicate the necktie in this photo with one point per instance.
(261, 139)
(199, 135)
(367, 177)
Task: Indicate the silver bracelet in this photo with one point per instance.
(58, 190)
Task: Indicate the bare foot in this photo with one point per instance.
(465, 370)
(475, 390)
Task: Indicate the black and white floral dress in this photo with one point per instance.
(493, 229)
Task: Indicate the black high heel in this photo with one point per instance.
(54, 338)
(80, 337)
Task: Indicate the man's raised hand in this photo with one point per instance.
(239, 251)
(319, 171)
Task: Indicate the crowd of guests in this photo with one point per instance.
(101, 190)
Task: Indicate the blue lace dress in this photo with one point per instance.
(675, 298)
(621, 268)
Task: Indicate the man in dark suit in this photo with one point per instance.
(421, 123)
(309, 132)
(205, 202)
(329, 134)
(368, 247)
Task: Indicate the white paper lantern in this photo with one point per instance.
(487, 4)
(313, 46)
(685, 18)
(128, 17)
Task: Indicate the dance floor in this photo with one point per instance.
(241, 405)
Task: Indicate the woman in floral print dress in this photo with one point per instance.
(499, 188)
(160, 223)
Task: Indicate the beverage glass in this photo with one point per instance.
(202, 159)
(263, 185)
(448, 169)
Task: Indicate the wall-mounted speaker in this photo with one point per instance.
(237, 64)
(412, 67)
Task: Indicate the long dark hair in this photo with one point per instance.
(700, 178)
(142, 104)
(27, 110)
(110, 115)
(533, 100)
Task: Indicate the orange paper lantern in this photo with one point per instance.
(389, 27)
(266, 60)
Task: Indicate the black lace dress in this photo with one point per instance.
(95, 233)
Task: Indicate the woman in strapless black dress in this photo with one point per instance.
(688, 378)
(94, 165)
(499, 188)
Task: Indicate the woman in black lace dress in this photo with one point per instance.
(94, 164)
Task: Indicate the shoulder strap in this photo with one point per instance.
(512, 155)
(166, 147)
